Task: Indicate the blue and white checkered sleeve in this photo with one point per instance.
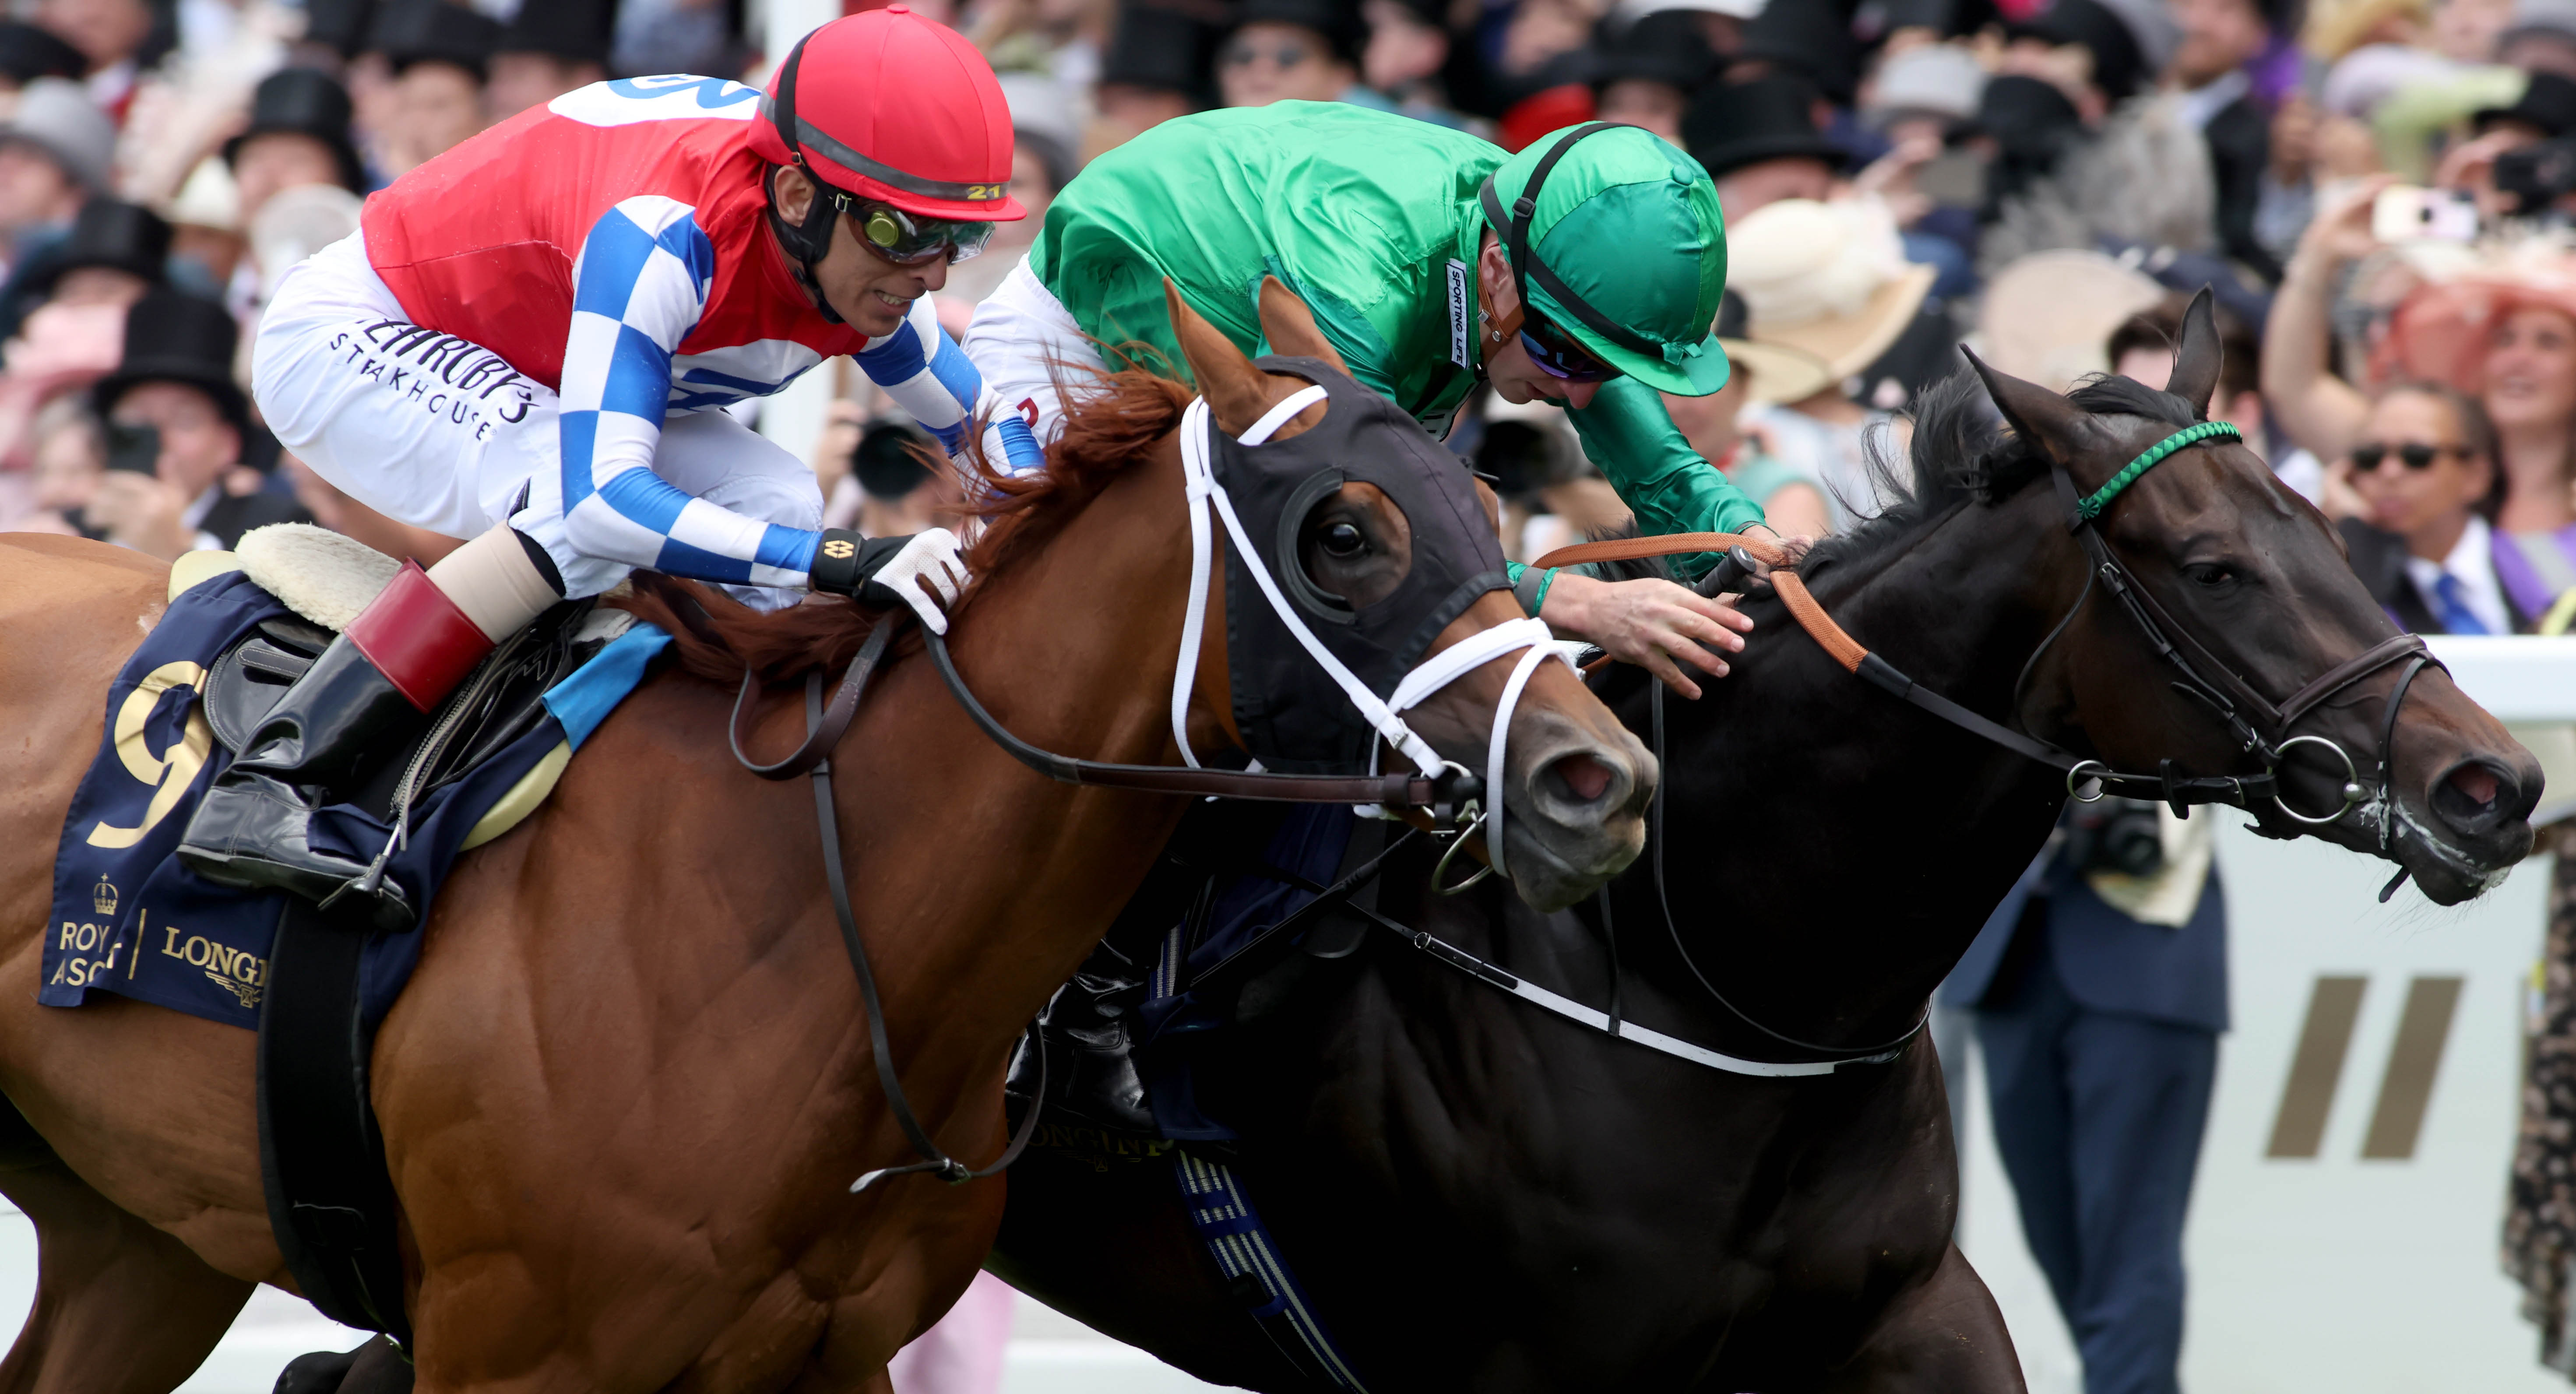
(639, 287)
(928, 375)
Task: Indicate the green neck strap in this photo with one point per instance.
(2091, 506)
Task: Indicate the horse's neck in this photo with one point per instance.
(1072, 648)
(1830, 851)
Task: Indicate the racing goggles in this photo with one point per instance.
(1558, 355)
(905, 240)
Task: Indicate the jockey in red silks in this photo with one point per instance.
(531, 341)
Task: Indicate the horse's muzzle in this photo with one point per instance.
(1577, 800)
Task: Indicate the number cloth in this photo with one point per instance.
(1372, 218)
(612, 246)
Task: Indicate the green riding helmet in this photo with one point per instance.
(1622, 248)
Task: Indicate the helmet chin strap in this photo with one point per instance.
(809, 241)
(806, 243)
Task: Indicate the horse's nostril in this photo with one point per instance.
(2477, 782)
(1584, 776)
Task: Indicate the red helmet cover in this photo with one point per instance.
(890, 106)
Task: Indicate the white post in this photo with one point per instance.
(794, 418)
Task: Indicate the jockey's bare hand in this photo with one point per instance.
(1654, 624)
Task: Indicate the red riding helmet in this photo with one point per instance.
(888, 106)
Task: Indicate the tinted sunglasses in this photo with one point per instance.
(1243, 55)
(2417, 455)
(1559, 356)
(905, 240)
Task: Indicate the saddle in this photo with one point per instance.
(322, 1166)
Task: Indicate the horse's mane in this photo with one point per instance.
(1107, 422)
(1964, 452)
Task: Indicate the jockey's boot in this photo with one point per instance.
(362, 702)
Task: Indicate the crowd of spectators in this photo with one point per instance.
(2379, 191)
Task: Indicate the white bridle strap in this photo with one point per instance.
(1279, 415)
(1199, 484)
(1530, 637)
(1521, 671)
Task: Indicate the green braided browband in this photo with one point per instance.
(2091, 506)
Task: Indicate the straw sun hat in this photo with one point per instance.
(2049, 316)
(1828, 279)
(2440, 330)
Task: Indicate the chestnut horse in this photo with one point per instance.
(628, 1088)
(1480, 1196)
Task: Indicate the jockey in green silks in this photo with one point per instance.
(1429, 266)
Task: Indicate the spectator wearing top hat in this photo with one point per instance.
(114, 253)
(2098, 52)
(1922, 103)
(2545, 110)
(1290, 50)
(1812, 40)
(2219, 38)
(1758, 140)
(441, 55)
(176, 377)
(1645, 73)
(335, 31)
(549, 49)
(298, 135)
(54, 154)
(1157, 68)
(28, 53)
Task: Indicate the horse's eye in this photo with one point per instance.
(1342, 541)
(2209, 574)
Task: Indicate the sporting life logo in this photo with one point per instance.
(669, 97)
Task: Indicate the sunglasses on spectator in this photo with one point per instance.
(1245, 55)
(906, 240)
(2416, 454)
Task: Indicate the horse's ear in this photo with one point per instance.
(2038, 415)
(1290, 326)
(2196, 359)
(1237, 392)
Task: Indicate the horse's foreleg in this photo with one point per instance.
(1943, 1336)
(121, 1307)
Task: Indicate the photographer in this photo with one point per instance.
(176, 426)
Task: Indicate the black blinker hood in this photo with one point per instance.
(1293, 715)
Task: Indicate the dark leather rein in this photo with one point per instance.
(1455, 790)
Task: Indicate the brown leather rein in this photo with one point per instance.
(2086, 779)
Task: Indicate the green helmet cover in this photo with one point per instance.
(1631, 225)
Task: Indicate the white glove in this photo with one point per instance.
(927, 574)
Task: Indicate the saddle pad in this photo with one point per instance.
(127, 918)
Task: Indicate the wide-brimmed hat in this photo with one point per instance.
(2048, 317)
(1935, 80)
(56, 115)
(2440, 330)
(1664, 47)
(171, 336)
(1771, 372)
(304, 102)
(1768, 118)
(28, 53)
(575, 31)
(1829, 279)
(433, 31)
(2547, 105)
(115, 235)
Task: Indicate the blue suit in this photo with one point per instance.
(2100, 1035)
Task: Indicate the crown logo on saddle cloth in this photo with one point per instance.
(102, 896)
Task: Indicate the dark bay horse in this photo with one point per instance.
(1480, 1196)
(627, 1091)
